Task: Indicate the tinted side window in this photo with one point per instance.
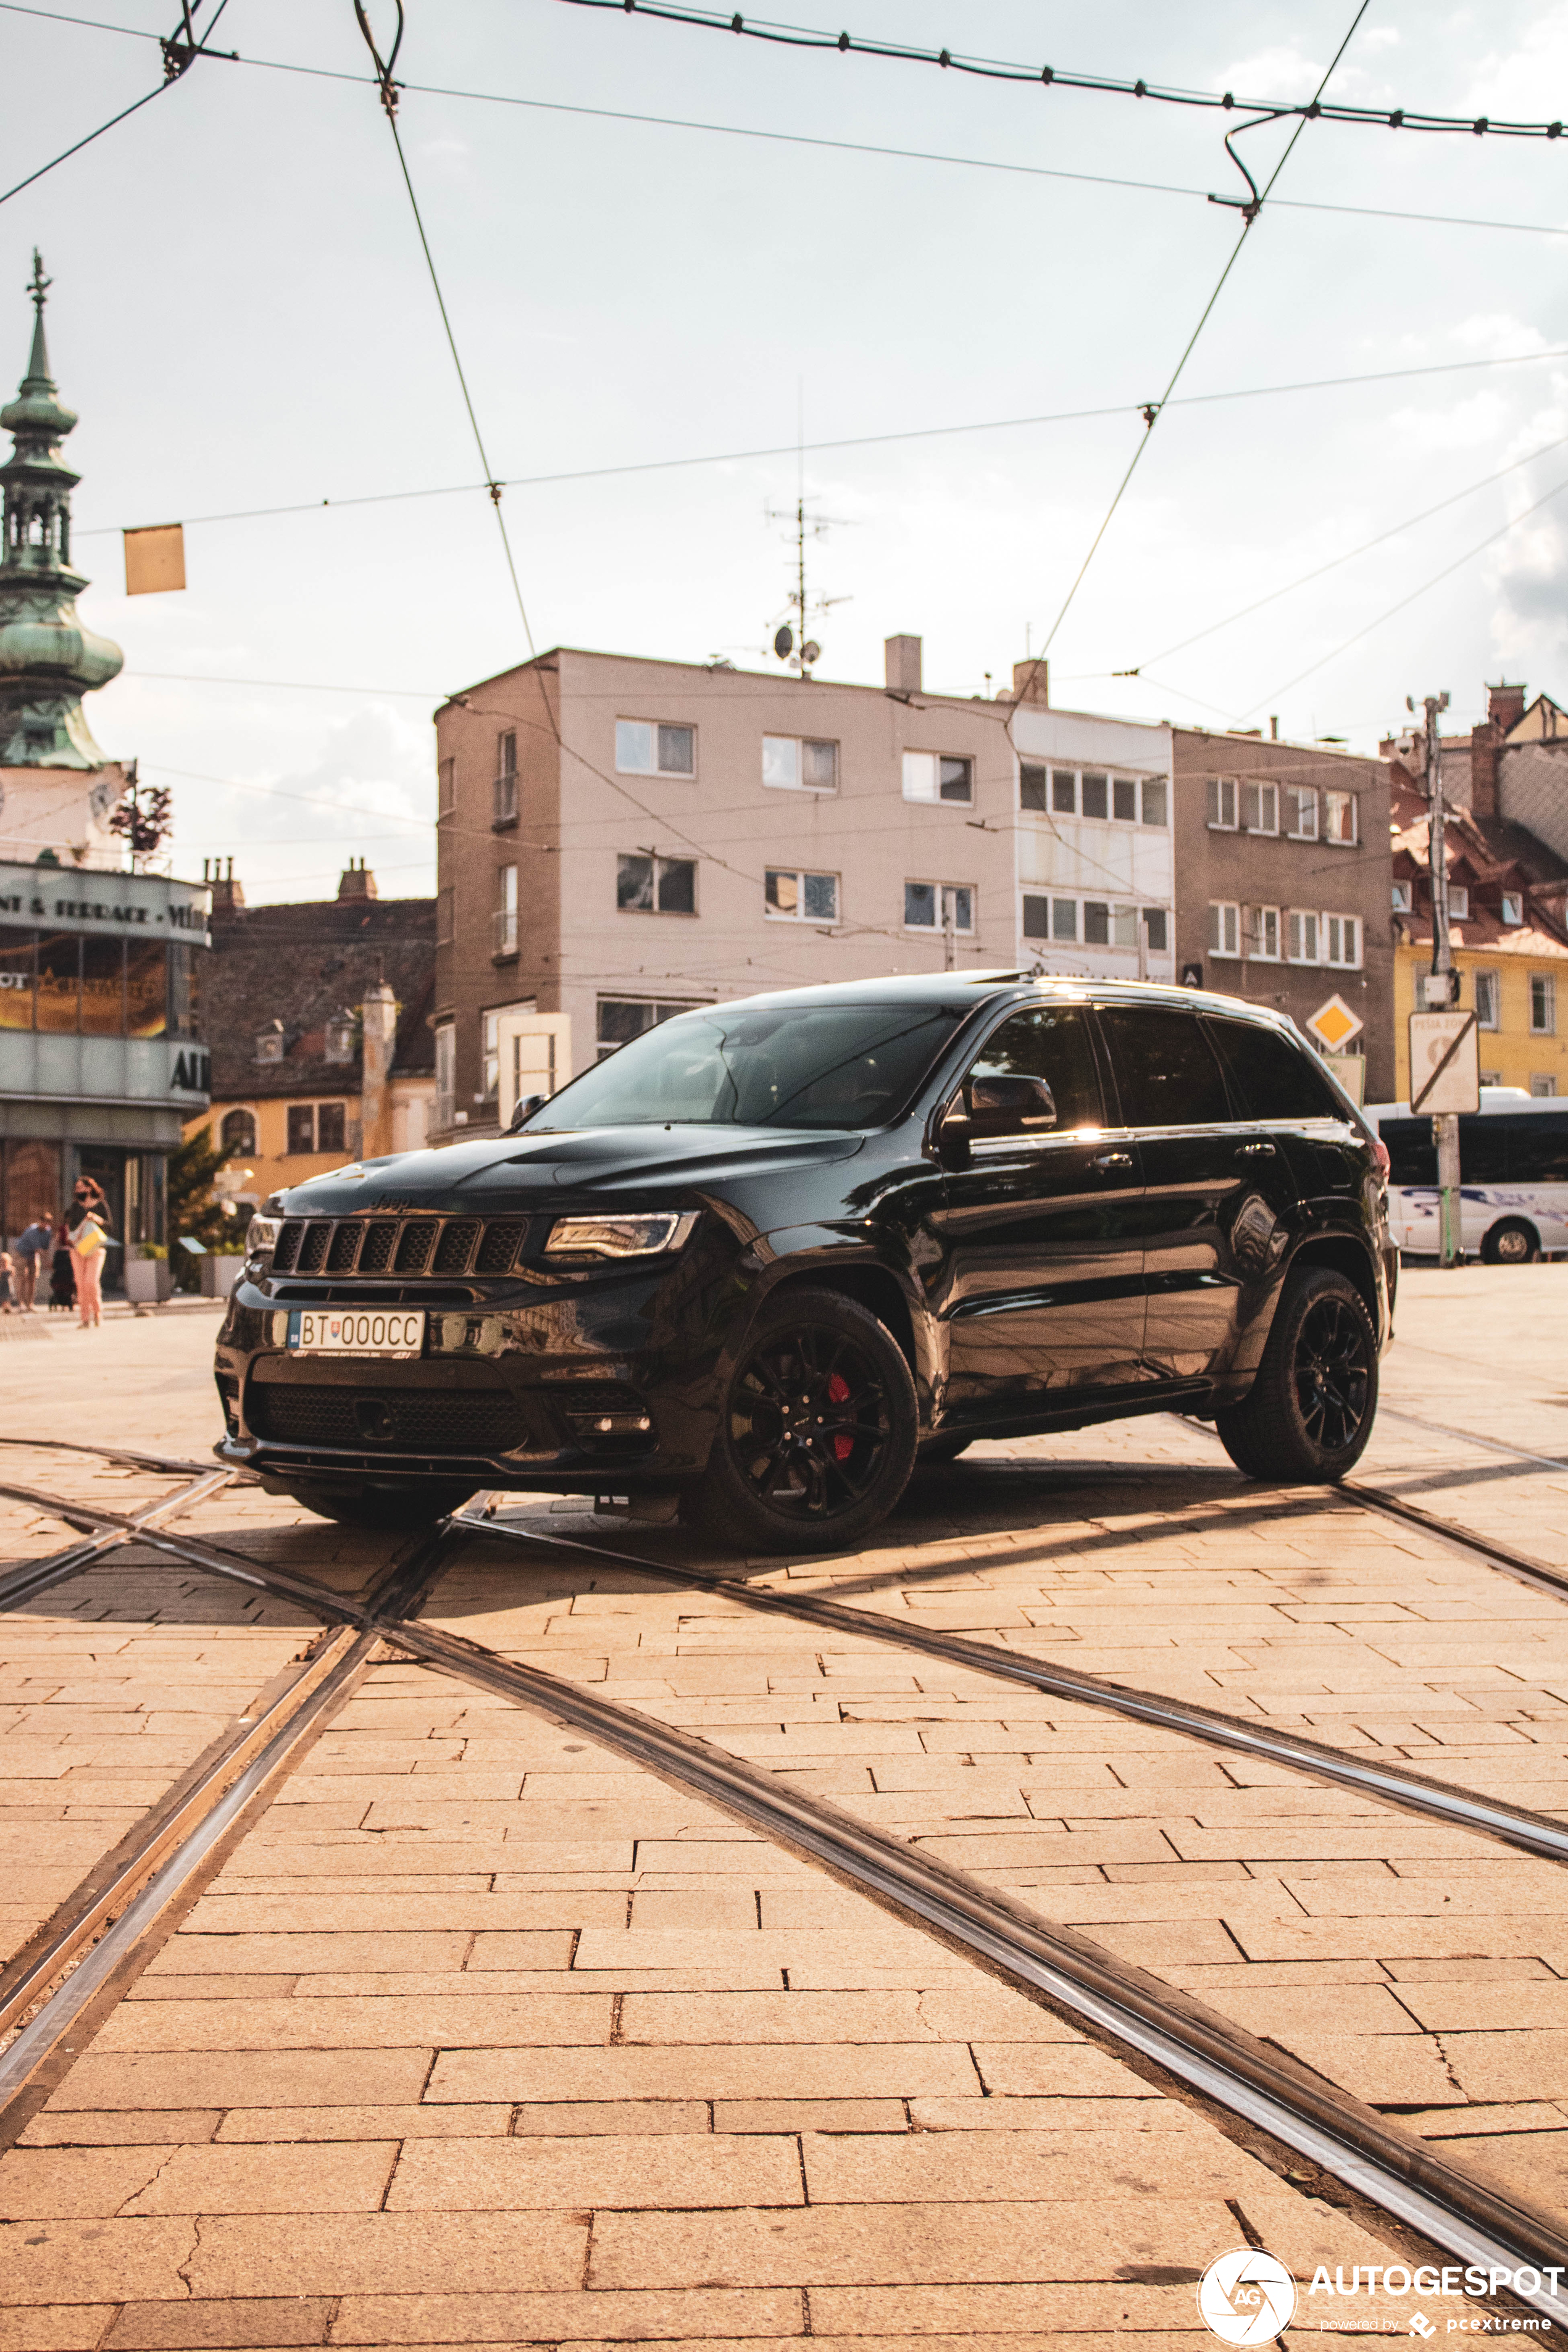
(1413, 1155)
(1537, 1146)
(1273, 1077)
(1053, 1045)
(1166, 1068)
(1483, 1151)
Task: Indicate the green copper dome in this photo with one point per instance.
(47, 660)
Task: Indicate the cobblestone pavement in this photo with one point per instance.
(481, 2035)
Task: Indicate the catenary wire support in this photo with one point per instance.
(1247, 206)
(388, 91)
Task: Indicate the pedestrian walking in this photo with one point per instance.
(62, 1277)
(35, 1242)
(8, 1283)
(86, 1247)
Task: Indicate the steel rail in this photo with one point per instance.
(1533, 1832)
(38, 1575)
(1263, 2085)
(174, 1853)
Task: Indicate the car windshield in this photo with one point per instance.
(820, 1065)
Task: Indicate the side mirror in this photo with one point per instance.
(526, 1106)
(1006, 1105)
(952, 1138)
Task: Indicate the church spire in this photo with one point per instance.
(47, 660)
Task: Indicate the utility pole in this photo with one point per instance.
(1440, 989)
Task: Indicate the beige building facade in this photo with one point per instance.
(621, 839)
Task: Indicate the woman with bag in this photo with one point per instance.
(87, 1248)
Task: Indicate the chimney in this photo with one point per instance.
(1505, 706)
(228, 895)
(1032, 682)
(380, 1016)
(357, 881)
(901, 657)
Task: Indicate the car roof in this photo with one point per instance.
(964, 991)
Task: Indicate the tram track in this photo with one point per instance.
(112, 1529)
(1168, 2034)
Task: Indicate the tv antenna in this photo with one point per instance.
(794, 644)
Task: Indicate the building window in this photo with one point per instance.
(1124, 801)
(656, 886)
(490, 1056)
(339, 1039)
(1491, 1077)
(506, 779)
(1340, 819)
(1032, 786)
(331, 1126)
(1342, 934)
(1542, 1086)
(1542, 1004)
(1108, 926)
(644, 747)
(1261, 808)
(1301, 938)
(1064, 793)
(1096, 794)
(1265, 945)
(1222, 803)
(1512, 909)
(445, 916)
(506, 910)
(239, 1134)
(1486, 998)
(446, 1073)
(1225, 928)
(1459, 903)
(1301, 811)
(934, 776)
(269, 1043)
(623, 1018)
(1154, 800)
(931, 906)
(446, 787)
(801, 897)
(1402, 898)
(797, 764)
(302, 1126)
(1157, 931)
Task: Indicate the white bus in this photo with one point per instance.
(1513, 1178)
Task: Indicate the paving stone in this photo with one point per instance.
(605, 2172)
(204, 2327)
(363, 2253)
(884, 2070)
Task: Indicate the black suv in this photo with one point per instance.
(765, 1258)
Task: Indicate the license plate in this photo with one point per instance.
(365, 1331)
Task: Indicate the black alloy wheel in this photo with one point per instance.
(1332, 1373)
(818, 1430)
(1308, 1414)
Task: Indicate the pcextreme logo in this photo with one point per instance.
(1247, 2297)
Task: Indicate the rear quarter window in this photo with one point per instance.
(1273, 1078)
(1166, 1071)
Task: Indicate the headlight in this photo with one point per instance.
(261, 1234)
(619, 1236)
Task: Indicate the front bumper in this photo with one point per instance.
(563, 1387)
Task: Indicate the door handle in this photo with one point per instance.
(1111, 1159)
(1254, 1151)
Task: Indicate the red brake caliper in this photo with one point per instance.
(837, 1393)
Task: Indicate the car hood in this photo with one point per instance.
(531, 1170)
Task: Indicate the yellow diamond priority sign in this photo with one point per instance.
(1333, 1024)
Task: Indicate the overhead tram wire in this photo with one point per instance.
(389, 93)
(1313, 110)
(178, 56)
(803, 138)
(1251, 213)
(848, 441)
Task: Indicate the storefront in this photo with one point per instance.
(100, 1057)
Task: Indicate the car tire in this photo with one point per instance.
(1308, 1414)
(938, 1450)
(1510, 1241)
(414, 1504)
(817, 1431)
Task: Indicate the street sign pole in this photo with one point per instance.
(1440, 989)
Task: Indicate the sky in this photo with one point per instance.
(242, 316)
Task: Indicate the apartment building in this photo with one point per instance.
(1283, 867)
(621, 839)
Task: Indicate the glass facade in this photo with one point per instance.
(67, 983)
